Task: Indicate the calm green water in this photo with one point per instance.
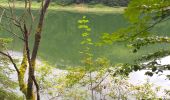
(61, 38)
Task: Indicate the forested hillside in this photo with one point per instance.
(91, 2)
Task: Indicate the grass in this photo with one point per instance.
(61, 38)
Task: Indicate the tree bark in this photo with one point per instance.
(31, 76)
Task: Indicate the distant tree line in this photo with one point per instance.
(105, 2)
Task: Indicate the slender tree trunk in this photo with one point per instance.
(31, 78)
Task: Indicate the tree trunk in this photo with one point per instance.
(31, 77)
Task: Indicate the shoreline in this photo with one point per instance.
(135, 78)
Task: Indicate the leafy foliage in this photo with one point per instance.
(7, 85)
(4, 95)
(4, 42)
(147, 14)
(63, 2)
(110, 87)
(143, 15)
(140, 42)
(86, 42)
(94, 74)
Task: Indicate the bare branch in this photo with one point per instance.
(101, 81)
(2, 15)
(11, 59)
(12, 32)
(151, 26)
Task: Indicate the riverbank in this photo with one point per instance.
(82, 8)
(135, 78)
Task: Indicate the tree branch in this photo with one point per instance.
(39, 29)
(148, 28)
(12, 32)
(100, 81)
(12, 61)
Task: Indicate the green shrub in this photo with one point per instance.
(116, 2)
(6, 95)
(64, 2)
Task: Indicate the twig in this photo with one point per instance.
(100, 81)
(2, 15)
(12, 61)
(12, 32)
(148, 28)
